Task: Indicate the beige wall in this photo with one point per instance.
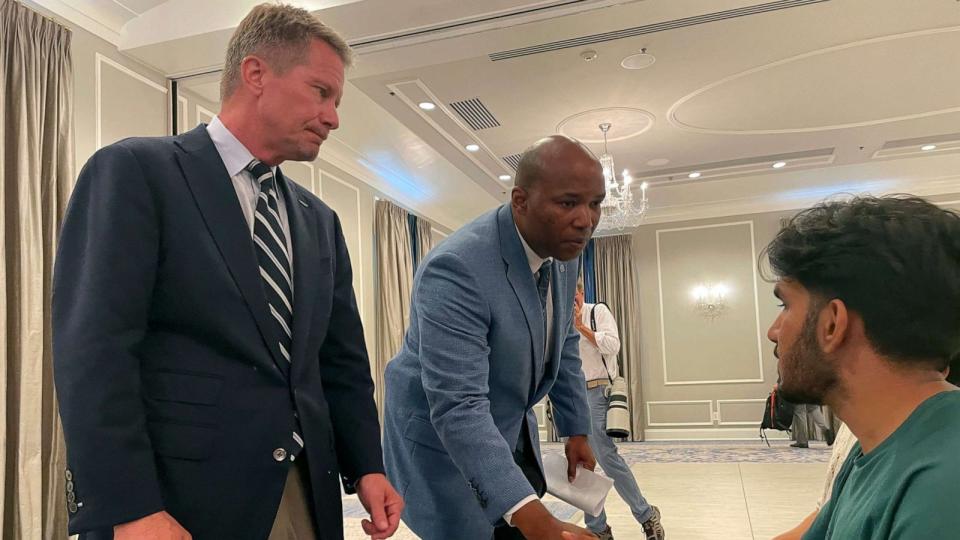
(193, 109)
(691, 366)
(114, 97)
(707, 379)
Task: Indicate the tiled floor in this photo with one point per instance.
(702, 494)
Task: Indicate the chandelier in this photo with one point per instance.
(620, 209)
(710, 300)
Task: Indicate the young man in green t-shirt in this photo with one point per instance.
(870, 320)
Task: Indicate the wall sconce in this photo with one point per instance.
(710, 300)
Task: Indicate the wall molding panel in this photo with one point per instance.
(99, 61)
(650, 405)
(755, 300)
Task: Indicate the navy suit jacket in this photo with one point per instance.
(472, 366)
(166, 362)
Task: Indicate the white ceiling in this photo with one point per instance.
(844, 91)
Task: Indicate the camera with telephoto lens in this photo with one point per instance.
(618, 410)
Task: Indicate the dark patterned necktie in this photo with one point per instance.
(543, 286)
(543, 282)
(272, 256)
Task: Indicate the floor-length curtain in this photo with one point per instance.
(589, 273)
(394, 284)
(616, 285)
(424, 239)
(36, 162)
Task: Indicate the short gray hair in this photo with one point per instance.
(281, 34)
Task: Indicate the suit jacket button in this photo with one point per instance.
(279, 454)
(69, 475)
(71, 497)
(72, 507)
(69, 486)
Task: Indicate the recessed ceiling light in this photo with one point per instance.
(472, 147)
(656, 162)
(693, 175)
(505, 177)
(928, 147)
(638, 61)
(779, 164)
(427, 105)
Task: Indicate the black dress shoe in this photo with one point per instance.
(799, 445)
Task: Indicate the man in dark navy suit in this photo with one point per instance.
(209, 357)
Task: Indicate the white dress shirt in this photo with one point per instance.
(535, 262)
(235, 158)
(607, 347)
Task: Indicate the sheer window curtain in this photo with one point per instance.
(36, 174)
(616, 285)
(394, 285)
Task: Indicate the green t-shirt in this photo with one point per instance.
(907, 487)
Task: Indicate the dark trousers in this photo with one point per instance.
(526, 459)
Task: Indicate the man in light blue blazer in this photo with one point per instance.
(490, 335)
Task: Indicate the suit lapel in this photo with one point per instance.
(521, 279)
(216, 197)
(303, 230)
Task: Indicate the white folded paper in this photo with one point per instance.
(587, 492)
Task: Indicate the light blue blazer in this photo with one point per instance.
(467, 378)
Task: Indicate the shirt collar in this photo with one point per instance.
(234, 154)
(533, 259)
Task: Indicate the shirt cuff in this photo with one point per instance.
(508, 517)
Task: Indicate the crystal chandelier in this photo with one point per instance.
(619, 209)
(710, 300)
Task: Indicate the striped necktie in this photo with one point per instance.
(272, 256)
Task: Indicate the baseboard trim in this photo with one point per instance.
(712, 434)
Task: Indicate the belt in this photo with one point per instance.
(596, 383)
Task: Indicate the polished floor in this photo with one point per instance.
(702, 491)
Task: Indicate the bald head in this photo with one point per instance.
(548, 153)
(557, 196)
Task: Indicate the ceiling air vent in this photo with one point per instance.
(475, 114)
(512, 160)
(652, 28)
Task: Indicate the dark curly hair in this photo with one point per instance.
(893, 260)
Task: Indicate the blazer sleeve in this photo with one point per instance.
(569, 393)
(345, 372)
(453, 320)
(102, 286)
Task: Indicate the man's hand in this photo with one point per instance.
(578, 324)
(383, 504)
(578, 453)
(158, 526)
(537, 523)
